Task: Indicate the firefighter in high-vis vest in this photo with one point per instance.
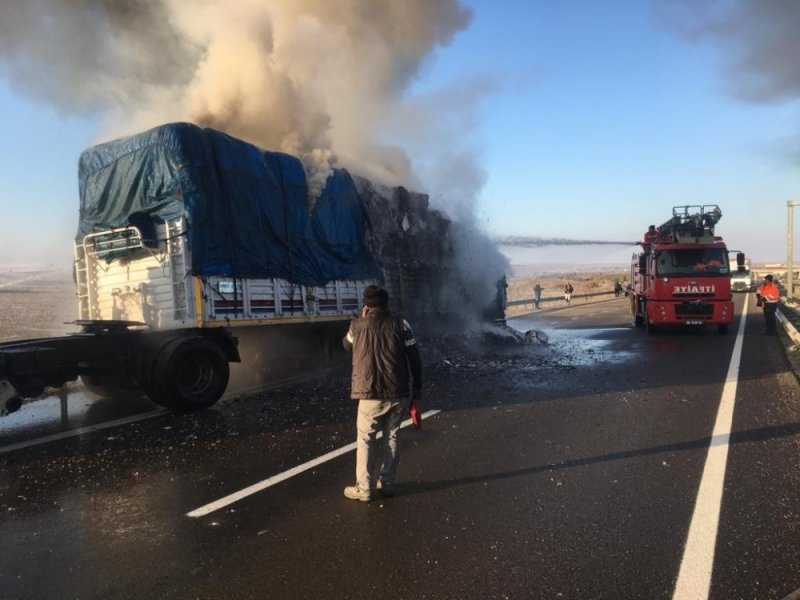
(768, 296)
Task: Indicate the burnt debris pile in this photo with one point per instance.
(424, 259)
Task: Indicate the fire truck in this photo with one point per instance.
(682, 276)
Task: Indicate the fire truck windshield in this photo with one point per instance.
(695, 261)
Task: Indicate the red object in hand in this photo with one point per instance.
(416, 415)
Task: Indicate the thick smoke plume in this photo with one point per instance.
(759, 39)
(319, 79)
(328, 81)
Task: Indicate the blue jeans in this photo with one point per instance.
(376, 416)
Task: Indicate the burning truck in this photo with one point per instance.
(191, 241)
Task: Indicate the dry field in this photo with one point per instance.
(36, 303)
(553, 285)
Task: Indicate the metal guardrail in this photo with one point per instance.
(557, 298)
(790, 329)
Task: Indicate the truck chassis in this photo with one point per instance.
(185, 369)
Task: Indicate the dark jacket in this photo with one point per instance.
(384, 348)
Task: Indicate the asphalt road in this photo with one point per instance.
(572, 470)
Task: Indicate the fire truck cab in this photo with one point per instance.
(682, 276)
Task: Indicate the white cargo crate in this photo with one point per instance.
(121, 276)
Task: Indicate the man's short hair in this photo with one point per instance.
(376, 297)
(768, 277)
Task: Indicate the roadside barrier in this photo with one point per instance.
(791, 330)
(558, 298)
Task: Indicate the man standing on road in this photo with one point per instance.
(537, 295)
(768, 295)
(385, 362)
(568, 289)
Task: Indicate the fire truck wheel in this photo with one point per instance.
(636, 308)
(188, 374)
(648, 324)
(722, 329)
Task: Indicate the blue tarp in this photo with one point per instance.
(246, 209)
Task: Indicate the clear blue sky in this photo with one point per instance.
(598, 118)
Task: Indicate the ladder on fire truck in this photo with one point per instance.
(691, 224)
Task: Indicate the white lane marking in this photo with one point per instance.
(82, 430)
(694, 577)
(264, 484)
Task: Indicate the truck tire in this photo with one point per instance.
(648, 324)
(722, 329)
(189, 373)
(636, 309)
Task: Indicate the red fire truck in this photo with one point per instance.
(682, 275)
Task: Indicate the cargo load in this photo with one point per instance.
(191, 241)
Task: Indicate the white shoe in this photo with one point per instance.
(356, 493)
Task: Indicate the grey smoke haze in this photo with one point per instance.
(318, 79)
(536, 242)
(327, 81)
(758, 38)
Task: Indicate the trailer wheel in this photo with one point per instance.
(11, 405)
(188, 374)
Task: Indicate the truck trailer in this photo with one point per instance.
(188, 236)
(682, 275)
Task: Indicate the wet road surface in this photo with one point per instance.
(66, 413)
(567, 470)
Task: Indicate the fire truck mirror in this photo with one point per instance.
(740, 259)
(642, 264)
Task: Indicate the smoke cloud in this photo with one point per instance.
(328, 81)
(319, 79)
(759, 36)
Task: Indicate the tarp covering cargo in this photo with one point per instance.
(246, 209)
